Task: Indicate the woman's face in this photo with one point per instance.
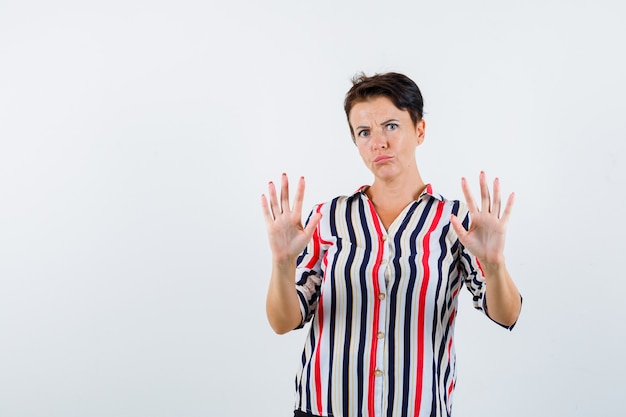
(386, 137)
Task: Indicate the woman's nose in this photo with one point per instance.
(379, 141)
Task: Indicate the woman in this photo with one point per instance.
(377, 273)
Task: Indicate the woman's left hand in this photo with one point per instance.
(486, 235)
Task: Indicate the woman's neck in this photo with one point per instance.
(395, 193)
(390, 199)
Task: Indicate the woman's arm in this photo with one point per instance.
(503, 299)
(282, 304)
(485, 240)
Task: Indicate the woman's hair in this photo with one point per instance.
(399, 88)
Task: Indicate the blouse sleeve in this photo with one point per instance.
(309, 273)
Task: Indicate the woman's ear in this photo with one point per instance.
(420, 131)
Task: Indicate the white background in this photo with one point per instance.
(136, 138)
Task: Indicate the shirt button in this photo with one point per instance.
(384, 238)
(381, 296)
(380, 335)
(378, 372)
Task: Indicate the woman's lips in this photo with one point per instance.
(382, 158)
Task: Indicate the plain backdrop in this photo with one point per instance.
(136, 138)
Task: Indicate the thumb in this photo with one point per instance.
(312, 225)
(458, 227)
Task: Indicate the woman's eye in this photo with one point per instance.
(392, 126)
(363, 134)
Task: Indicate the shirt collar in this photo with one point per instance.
(428, 191)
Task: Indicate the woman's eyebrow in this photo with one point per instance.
(380, 124)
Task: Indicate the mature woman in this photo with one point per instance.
(378, 272)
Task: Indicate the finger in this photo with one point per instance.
(299, 197)
(274, 207)
(508, 208)
(496, 204)
(485, 204)
(471, 205)
(266, 210)
(458, 227)
(284, 193)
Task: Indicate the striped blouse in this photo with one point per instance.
(382, 305)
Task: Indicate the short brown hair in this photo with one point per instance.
(399, 88)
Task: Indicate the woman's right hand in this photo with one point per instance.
(287, 237)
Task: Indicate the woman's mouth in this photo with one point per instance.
(382, 158)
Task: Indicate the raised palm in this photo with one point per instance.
(487, 231)
(286, 234)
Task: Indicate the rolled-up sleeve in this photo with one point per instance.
(309, 274)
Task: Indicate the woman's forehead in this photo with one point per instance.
(377, 109)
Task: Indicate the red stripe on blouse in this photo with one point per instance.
(376, 318)
(452, 317)
(480, 267)
(316, 244)
(451, 385)
(318, 366)
(320, 312)
(422, 308)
